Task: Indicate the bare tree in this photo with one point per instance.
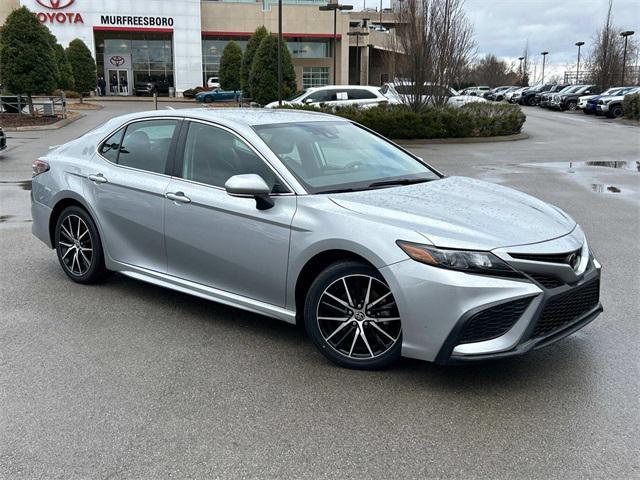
(606, 56)
(493, 72)
(437, 41)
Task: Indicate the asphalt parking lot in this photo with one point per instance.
(129, 380)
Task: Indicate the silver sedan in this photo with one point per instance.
(311, 218)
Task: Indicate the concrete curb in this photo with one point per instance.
(436, 141)
(142, 99)
(54, 126)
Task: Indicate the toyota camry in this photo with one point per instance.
(313, 219)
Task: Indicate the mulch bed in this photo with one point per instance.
(14, 120)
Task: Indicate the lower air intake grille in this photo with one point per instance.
(562, 310)
(493, 322)
(546, 281)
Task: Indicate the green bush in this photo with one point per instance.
(27, 55)
(631, 106)
(264, 72)
(247, 59)
(67, 93)
(82, 65)
(399, 122)
(230, 66)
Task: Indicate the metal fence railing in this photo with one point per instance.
(40, 105)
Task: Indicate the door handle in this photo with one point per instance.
(97, 178)
(178, 197)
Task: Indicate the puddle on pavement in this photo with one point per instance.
(4, 218)
(23, 184)
(625, 165)
(602, 188)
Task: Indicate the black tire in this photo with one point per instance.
(615, 111)
(90, 268)
(572, 105)
(586, 112)
(208, 99)
(369, 353)
(532, 102)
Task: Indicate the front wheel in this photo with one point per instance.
(208, 99)
(78, 246)
(616, 111)
(572, 106)
(351, 315)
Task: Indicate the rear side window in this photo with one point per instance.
(145, 145)
(111, 146)
(361, 94)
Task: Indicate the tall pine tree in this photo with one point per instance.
(27, 60)
(82, 65)
(264, 72)
(247, 60)
(230, 66)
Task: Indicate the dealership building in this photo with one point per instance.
(181, 41)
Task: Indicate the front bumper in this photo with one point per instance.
(454, 317)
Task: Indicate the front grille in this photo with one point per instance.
(547, 281)
(494, 321)
(562, 310)
(546, 257)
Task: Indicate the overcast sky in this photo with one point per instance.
(502, 27)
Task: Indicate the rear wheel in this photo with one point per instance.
(352, 317)
(79, 247)
(572, 105)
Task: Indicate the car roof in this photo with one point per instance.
(240, 117)
(343, 87)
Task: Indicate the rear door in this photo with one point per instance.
(126, 184)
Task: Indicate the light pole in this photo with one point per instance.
(544, 56)
(520, 69)
(626, 36)
(335, 7)
(358, 34)
(280, 53)
(380, 15)
(578, 44)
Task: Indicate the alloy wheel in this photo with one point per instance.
(76, 245)
(358, 317)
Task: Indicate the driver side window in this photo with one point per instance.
(213, 155)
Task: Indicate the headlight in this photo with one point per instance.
(462, 260)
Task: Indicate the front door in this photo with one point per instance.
(119, 82)
(126, 183)
(222, 241)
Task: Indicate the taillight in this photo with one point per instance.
(39, 166)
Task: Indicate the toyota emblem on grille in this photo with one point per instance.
(55, 4)
(116, 60)
(573, 260)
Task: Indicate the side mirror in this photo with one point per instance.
(250, 185)
(307, 101)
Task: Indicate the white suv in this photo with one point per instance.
(337, 96)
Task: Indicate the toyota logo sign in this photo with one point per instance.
(55, 4)
(116, 60)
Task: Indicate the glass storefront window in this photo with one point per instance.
(308, 49)
(212, 52)
(315, 77)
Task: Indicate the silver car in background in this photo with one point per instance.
(311, 218)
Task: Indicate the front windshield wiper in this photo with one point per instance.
(337, 190)
(400, 181)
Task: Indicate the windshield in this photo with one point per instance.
(298, 96)
(330, 156)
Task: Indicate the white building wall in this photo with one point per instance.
(62, 17)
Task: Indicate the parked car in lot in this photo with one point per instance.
(611, 106)
(543, 99)
(192, 92)
(476, 91)
(569, 100)
(3, 140)
(588, 103)
(337, 96)
(514, 95)
(496, 94)
(218, 95)
(153, 85)
(528, 97)
(311, 218)
(402, 92)
(213, 82)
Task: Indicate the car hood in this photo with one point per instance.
(460, 212)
